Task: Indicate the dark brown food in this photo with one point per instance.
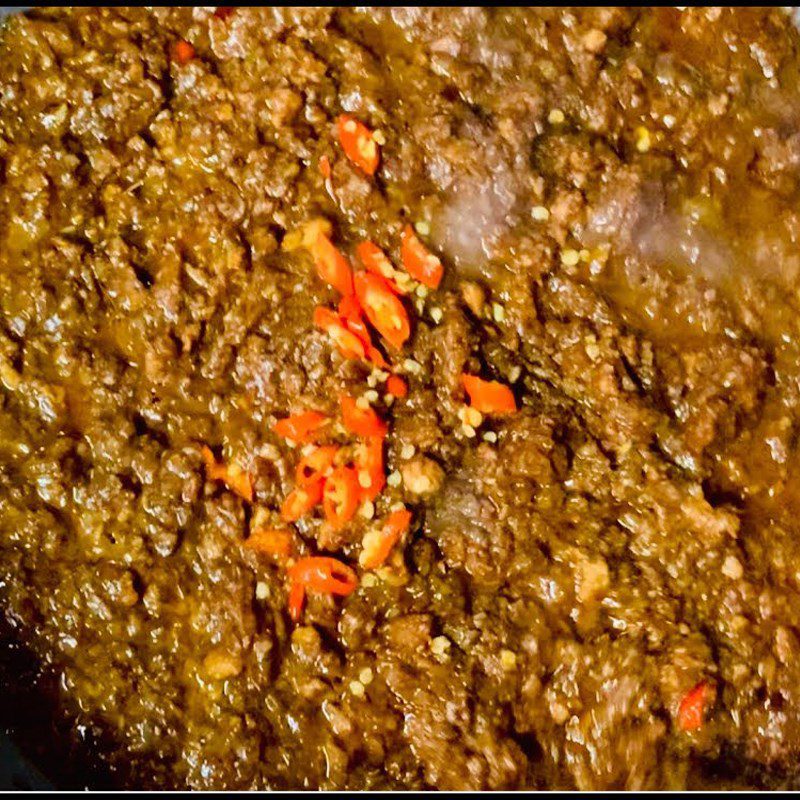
(601, 590)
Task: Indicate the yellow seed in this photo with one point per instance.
(473, 417)
(394, 479)
(436, 314)
(357, 688)
(362, 403)
(379, 137)
(508, 659)
(490, 436)
(440, 645)
(423, 227)
(364, 480)
(498, 312)
(540, 213)
(555, 117)
(262, 590)
(366, 676)
(407, 451)
(569, 257)
(468, 431)
(368, 509)
(642, 139)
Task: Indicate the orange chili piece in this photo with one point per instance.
(349, 343)
(331, 265)
(223, 12)
(362, 422)
(340, 496)
(318, 574)
(270, 542)
(419, 262)
(397, 386)
(325, 167)
(182, 52)
(376, 357)
(377, 544)
(350, 311)
(232, 475)
(377, 262)
(358, 143)
(297, 596)
(370, 462)
(691, 711)
(384, 311)
(314, 466)
(488, 397)
(301, 500)
(300, 428)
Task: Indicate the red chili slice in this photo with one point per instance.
(377, 544)
(313, 467)
(691, 712)
(488, 397)
(340, 496)
(300, 428)
(331, 265)
(182, 52)
(358, 143)
(318, 574)
(348, 343)
(377, 262)
(419, 262)
(384, 311)
(396, 386)
(301, 500)
(370, 461)
(363, 422)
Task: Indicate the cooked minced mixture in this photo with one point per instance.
(405, 398)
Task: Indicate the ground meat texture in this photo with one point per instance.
(612, 193)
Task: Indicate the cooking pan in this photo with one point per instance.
(38, 751)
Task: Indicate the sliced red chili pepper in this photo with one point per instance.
(340, 496)
(369, 461)
(314, 466)
(488, 397)
(300, 428)
(376, 357)
(348, 342)
(384, 311)
(397, 386)
(362, 422)
(297, 596)
(350, 311)
(270, 542)
(691, 711)
(377, 544)
(232, 475)
(325, 167)
(182, 52)
(358, 143)
(301, 500)
(331, 265)
(419, 262)
(324, 574)
(318, 574)
(377, 262)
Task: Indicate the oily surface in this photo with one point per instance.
(630, 533)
